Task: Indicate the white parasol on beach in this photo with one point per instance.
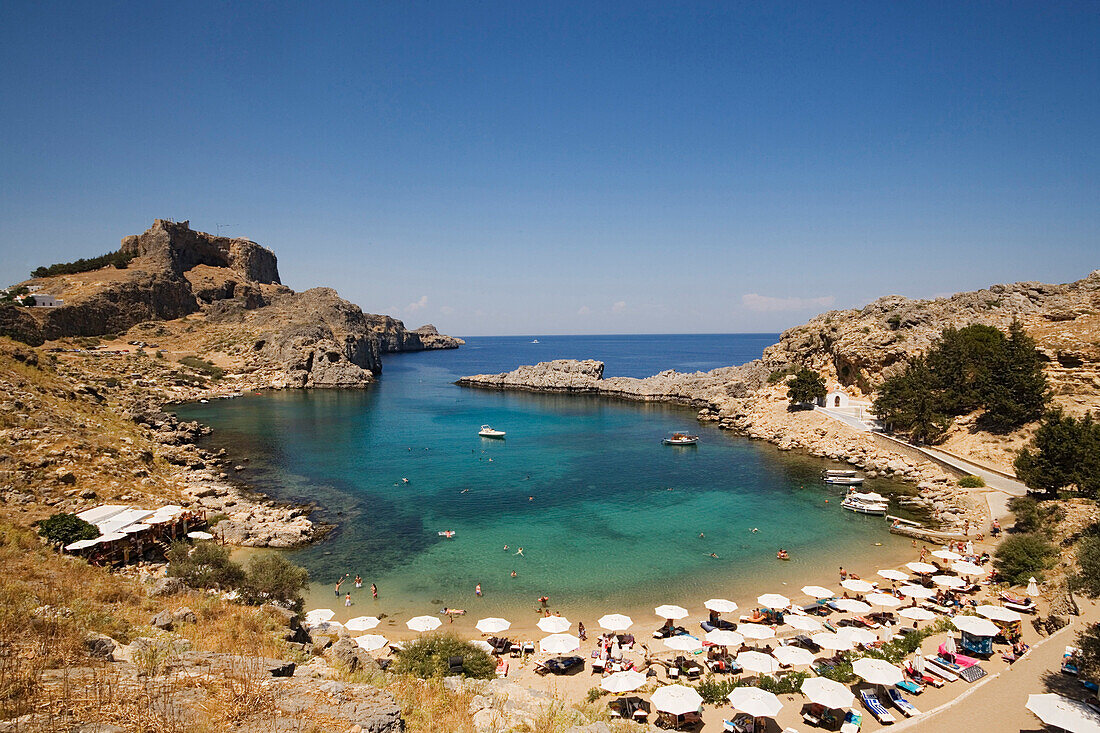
(773, 601)
(671, 613)
(998, 613)
(817, 591)
(885, 600)
(831, 641)
(891, 574)
(623, 681)
(724, 637)
(683, 643)
(371, 642)
(967, 568)
(676, 699)
(1032, 587)
(720, 605)
(483, 645)
(947, 555)
(828, 693)
(318, 615)
(758, 662)
(921, 568)
(975, 625)
(494, 625)
(326, 627)
(423, 623)
(793, 656)
(362, 623)
(615, 622)
(916, 591)
(803, 623)
(949, 581)
(559, 644)
(1062, 712)
(857, 586)
(554, 624)
(877, 671)
(916, 613)
(755, 702)
(755, 631)
(851, 605)
(196, 535)
(856, 636)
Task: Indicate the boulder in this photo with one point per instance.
(163, 620)
(100, 646)
(349, 655)
(167, 587)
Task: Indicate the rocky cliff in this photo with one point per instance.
(175, 247)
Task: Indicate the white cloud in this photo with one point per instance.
(584, 310)
(757, 302)
(446, 310)
(418, 305)
(619, 306)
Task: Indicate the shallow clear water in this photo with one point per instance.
(605, 514)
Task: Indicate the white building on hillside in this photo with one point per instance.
(43, 300)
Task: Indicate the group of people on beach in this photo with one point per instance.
(358, 584)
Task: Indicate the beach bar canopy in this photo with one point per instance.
(998, 613)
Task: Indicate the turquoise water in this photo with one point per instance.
(604, 513)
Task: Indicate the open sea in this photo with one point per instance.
(607, 517)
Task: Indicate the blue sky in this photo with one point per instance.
(509, 167)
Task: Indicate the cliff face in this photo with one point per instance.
(175, 247)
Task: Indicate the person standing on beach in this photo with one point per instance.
(374, 590)
(347, 600)
(340, 582)
(477, 590)
(358, 581)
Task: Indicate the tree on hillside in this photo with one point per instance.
(63, 529)
(205, 565)
(1064, 454)
(274, 579)
(806, 386)
(909, 403)
(1019, 392)
(963, 362)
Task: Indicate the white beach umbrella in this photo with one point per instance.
(371, 642)
(998, 613)
(921, 568)
(554, 624)
(918, 661)
(851, 605)
(949, 645)
(317, 615)
(1062, 712)
(676, 699)
(673, 613)
(494, 625)
(891, 574)
(362, 623)
(721, 605)
(827, 692)
(196, 535)
(858, 586)
(755, 702)
(615, 622)
(831, 641)
(877, 671)
(758, 662)
(857, 636)
(916, 591)
(948, 581)
(916, 613)
(423, 623)
(947, 555)
(483, 645)
(724, 637)
(559, 644)
(326, 627)
(755, 631)
(623, 681)
(817, 591)
(773, 601)
(793, 656)
(975, 625)
(803, 623)
(885, 600)
(682, 643)
(1032, 587)
(967, 568)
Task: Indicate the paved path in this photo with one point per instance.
(992, 479)
(849, 420)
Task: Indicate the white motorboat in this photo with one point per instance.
(837, 472)
(870, 503)
(534, 341)
(844, 480)
(487, 431)
(681, 439)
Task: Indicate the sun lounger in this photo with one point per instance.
(942, 671)
(813, 713)
(909, 686)
(852, 722)
(907, 708)
(1069, 661)
(874, 707)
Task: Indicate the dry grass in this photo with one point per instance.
(428, 707)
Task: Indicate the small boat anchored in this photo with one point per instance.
(681, 439)
(841, 478)
(869, 503)
(448, 533)
(534, 341)
(487, 431)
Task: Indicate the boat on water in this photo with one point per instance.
(534, 341)
(839, 477)
(681, 439)
(487, 431)
(869, 503)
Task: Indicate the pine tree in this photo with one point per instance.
(1019, 393)
(806, 386)
(911, 403)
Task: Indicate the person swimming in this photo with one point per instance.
(714, 556)
(520, 552)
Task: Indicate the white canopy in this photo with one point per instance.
(554, 624)
(916, 591)
(615, 622)
(817, 591)
(371, 642)
(948, 581)
(671, 612)
(721, 605)
(724, 637)
(197, 535)
(883, 599)
(755, 702)
(916, 613)
(834, 642)
(857, 636)
(824, 691)
(921, 568)
(774, 601)
(851, 605)
(80, 545)
(967, 568)
(676, 699)
(877, 671)
(483, 645)
(891, 574)
(318, 615)
(141, 527)
(362, 623)
(758, 662)
(559, 644)
(793, 656)
(947, 555)
(1062, 712)
(803, 623)
(755, 631)
(423, 623)
(1032, 587)
(857, 586)
(326, 627)
(623, 681)
(998, 613)
(492, 625)
(110, 537)
(683, 643)
(975, 625)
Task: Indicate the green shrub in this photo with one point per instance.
(806, 386)
(788, 684)
(780, 374)
(63, 529)
(213, 519)
(1088, 641)
(271, 578)
(429, 656)
(1025, 510)
(1088, 563)
(1021, 556)
(203, 366)
(595, 694)
(842, 673)
(1064, 454)
(971, 482)
(120, 260)
(714, 691)
(204, 565)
